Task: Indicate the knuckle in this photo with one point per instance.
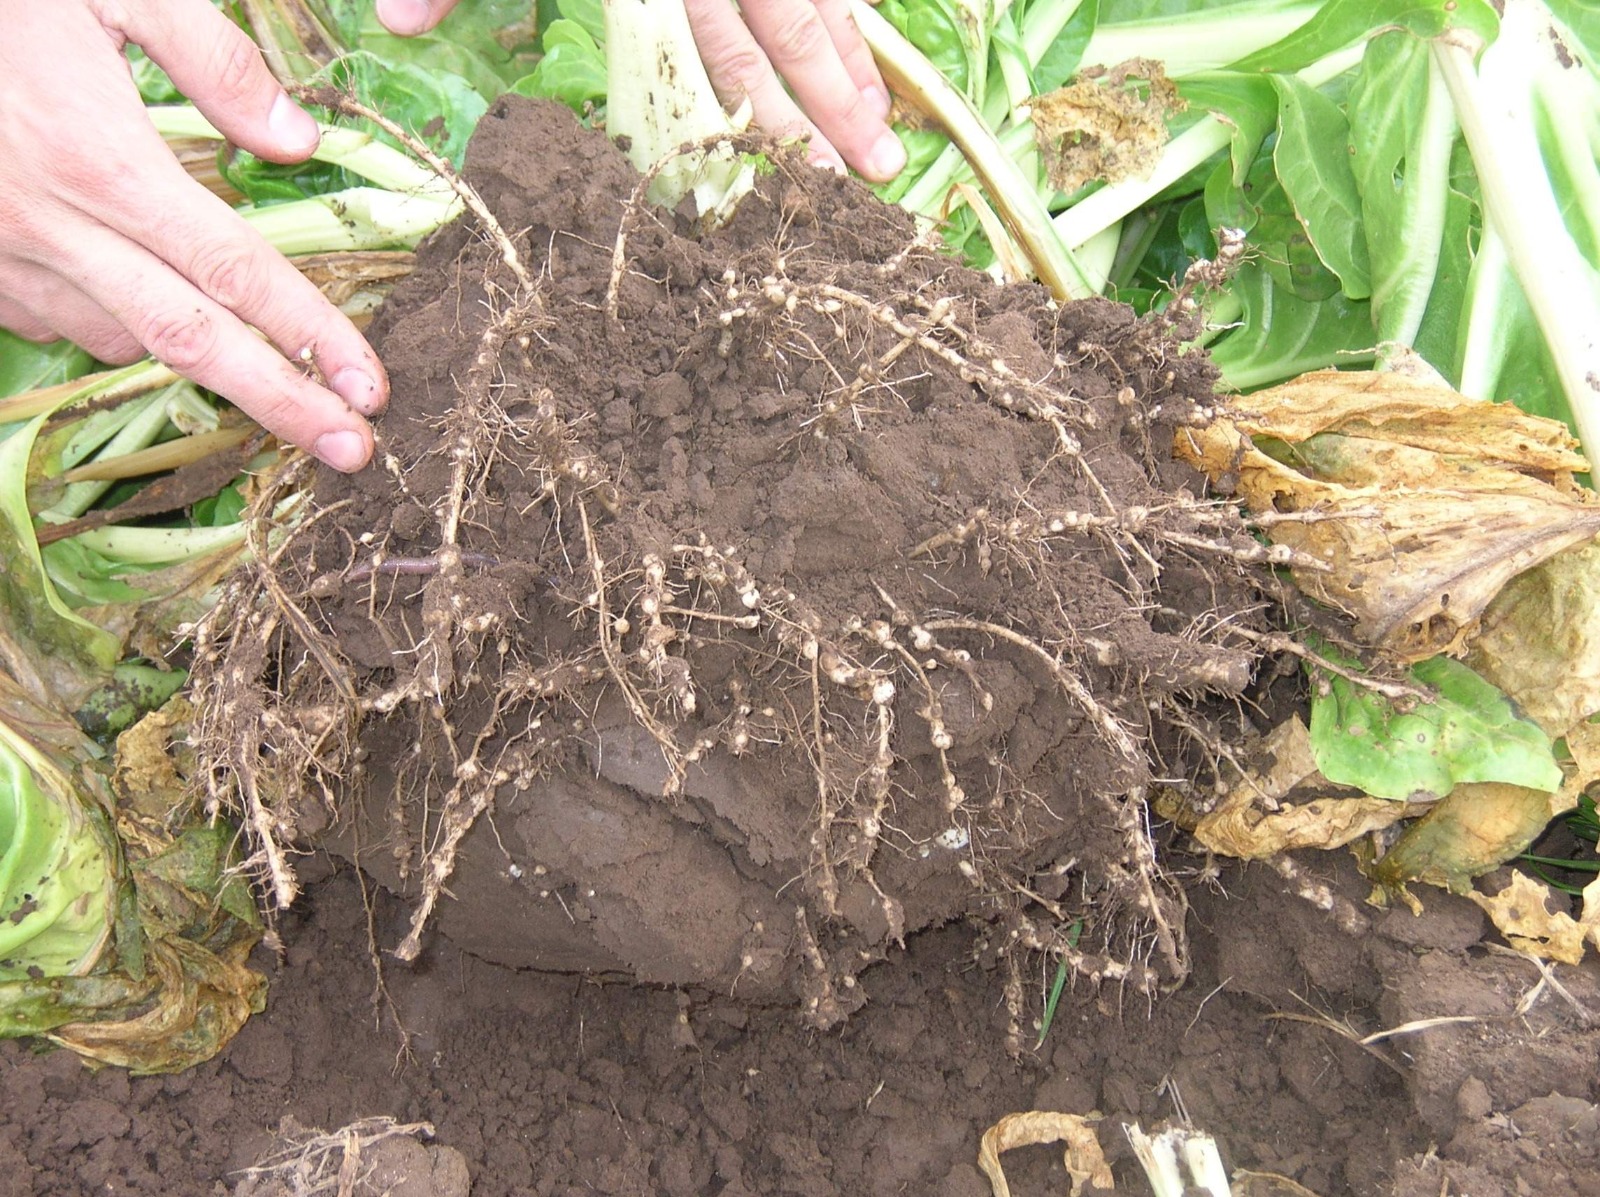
(237, 68)
(798, 34)
(230, 276)
(737, 67)
(184, 340)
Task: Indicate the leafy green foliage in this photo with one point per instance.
(1470, 733)
(573, 69)
(25, 365)
(1340, 24)
(1312, 159)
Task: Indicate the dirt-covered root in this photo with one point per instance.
(824, 593)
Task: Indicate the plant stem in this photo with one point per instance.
(916, 79)
(1494, 105)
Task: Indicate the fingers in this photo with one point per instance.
(857, 57)
(203, 341)
(740, 71)
(42, 306)
(801, 45)
(214, 63)
(818, 50)
(18, 319)
(235, 267)
(411, 17)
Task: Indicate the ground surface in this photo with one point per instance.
(556, 1086)
(827, 596)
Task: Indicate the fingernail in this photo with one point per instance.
(886, 157)
(357, 388)
(826, 160)
(292, 127)
(877, 99)
(405, 17)
(345, 451)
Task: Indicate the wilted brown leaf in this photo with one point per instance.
(1438, 500)
(1085, 1162)
(1520, 913)
(1539, 640)
(1102, 126)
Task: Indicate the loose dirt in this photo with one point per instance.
(778, 666)
(562, 1086)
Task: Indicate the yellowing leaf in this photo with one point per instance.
(1426, 503)
(1477, 827)
(1250, 821)
(1539, 640)
(1085, 1162)
(1520, 913)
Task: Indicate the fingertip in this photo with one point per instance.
(293, 129)
(407, 18)
(821, 153)
(345, 450)
(885, 158)
(359, 389)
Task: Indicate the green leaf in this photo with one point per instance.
(1312, 158)
(1340, 24)
(1248, 104)
(438, 106)
(587, 13)
(25, 365)
(488, 43)
(1281, 335)
(1441, 321)
(1060, 61)
(573, 69)
(1277, 238)
(1402, 129)
(1470, 733)
(221, 510)
(932, 27)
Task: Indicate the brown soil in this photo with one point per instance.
(825, 593)
(566, 1087)
(849, 742)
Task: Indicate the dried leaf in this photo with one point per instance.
(1267, 1184)
(1250, 823)
(1251, 834)
(1101, 126)
(1539, 640)
(1520, 913)
(1438, 500)
(1085, 1162)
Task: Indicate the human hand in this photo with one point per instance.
(105, 240)
(840, 100)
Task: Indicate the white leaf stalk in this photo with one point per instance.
(1499, 103)
(660, 98)
(407, 202)
(1179, 1161)
(915, 79)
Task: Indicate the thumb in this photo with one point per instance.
(410, 17)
